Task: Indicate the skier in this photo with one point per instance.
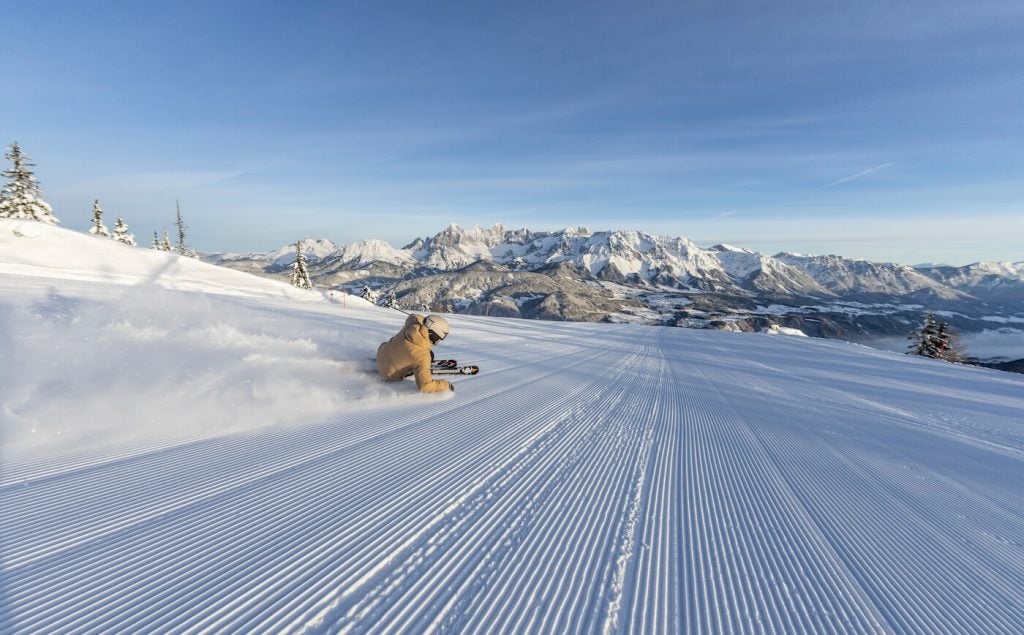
(408, 352)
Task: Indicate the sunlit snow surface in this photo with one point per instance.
(225, 461)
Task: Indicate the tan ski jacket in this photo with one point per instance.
(408, 353)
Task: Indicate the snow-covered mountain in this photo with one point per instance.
(633, 257)
(638, 257)
(187, 448)
(660, 279)
(611, 255)
(314, 250)
(989, 281)
(486, 288)
(455, 247)
(847, 277)
(770, 275)
(370, 251)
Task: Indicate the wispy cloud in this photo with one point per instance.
(722, 215)
(150, 182)
(178, 180)
(858, 175)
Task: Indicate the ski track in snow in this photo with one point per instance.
(591, 479)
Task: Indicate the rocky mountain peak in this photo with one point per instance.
(725, 248)
(374, 250)
(647, 263)
(314, 250)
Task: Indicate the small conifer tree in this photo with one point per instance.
(937, 340)
(369, 294)
(948, 343)
(121, 233)
(182, 247)
(98, 228)
(21, 197)
(300, 274)
(165, 243)
(924, 340)
(156, 242)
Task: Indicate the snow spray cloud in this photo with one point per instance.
(151, 366)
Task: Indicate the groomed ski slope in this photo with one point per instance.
(593, 478)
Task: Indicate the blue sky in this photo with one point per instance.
(879, 130)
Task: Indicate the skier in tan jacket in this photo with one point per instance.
(408, 352)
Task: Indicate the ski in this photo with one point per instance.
(444, 363)
(456, 370)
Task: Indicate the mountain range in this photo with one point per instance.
(576, 274)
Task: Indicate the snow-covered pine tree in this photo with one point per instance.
(300, 275)
(121, 233)
(925, 340)
(165, 244)
(389, 301)
(369, 294)
(182, 247)
(921, 339)
(950, 347)
(156, 242)
(941, 340)
(21, 197)
(98, 228)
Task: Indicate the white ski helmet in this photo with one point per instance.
(438, 326)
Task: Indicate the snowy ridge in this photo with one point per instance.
(373, 250)
(623, 253)
(981, 274)
(594, 477)
(845, 276)
(640, 257)
(454, 247)
(1008, 269)
(313, 249)
(46, 251)
(766, 273)
(645, 260)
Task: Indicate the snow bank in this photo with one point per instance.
(45, 251)
(776, 329)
